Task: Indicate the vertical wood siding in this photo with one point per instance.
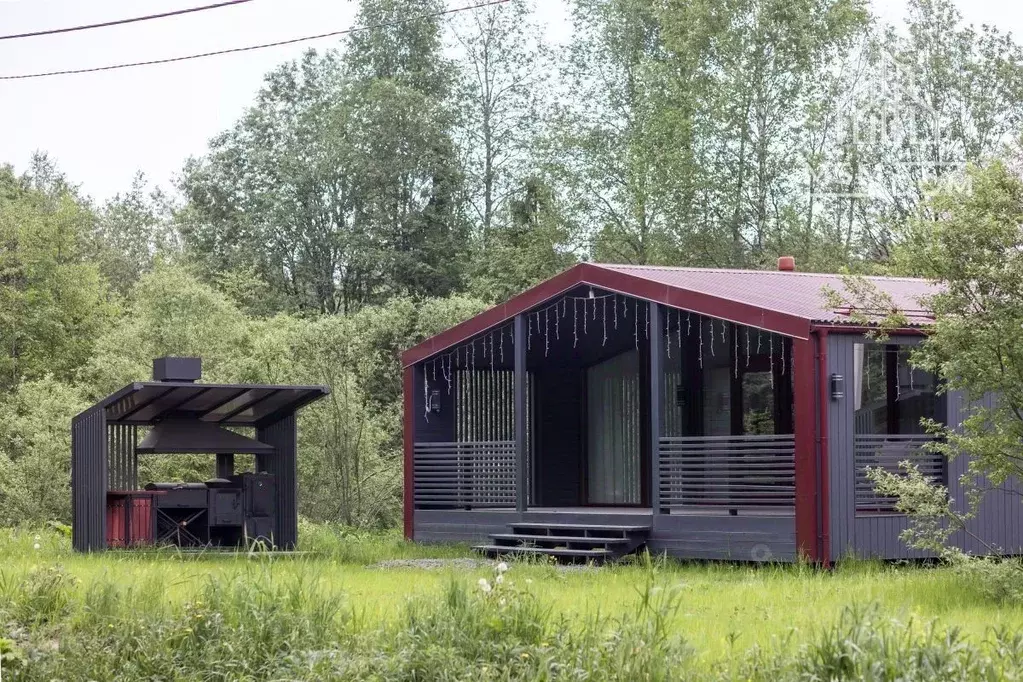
(999, 521)
(89, 480)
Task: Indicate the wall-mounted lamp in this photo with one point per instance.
(435, 402)
(837, 387)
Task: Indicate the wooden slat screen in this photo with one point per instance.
(728, 471)
(885, 451)
(467, 475)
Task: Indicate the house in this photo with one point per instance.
(703, 413)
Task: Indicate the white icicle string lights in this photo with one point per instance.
(575, 323)
(710, 328)
(426, 398)
(614, 304)
(700, 322)
(635, 322)
(546, 334)
(667, 334)
(735, 351)
(603, 319)
(747, 346)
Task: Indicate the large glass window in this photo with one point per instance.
(891, 396)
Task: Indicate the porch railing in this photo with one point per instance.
(469, 475)
(883, 451)
(728, 471)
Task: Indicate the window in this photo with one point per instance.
(891, 396)
(890, 399)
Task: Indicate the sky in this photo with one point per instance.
(103, 128)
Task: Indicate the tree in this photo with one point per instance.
(606, 153)
(133, 230)
(35, 451)
(341, 186)
(53, 300)
(275, 199)
(532, 241)
(411, 186)
(943, 94)
(500, 95)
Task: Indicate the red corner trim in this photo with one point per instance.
(408, 417)
(805, 418)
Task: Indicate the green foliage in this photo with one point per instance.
(35, 451)
(169, 312)
(53, 301)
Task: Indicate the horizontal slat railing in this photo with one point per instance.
(728, 471)
(886, 452)
(469, 475)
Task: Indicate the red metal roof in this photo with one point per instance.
(795, 293)
(788, 303)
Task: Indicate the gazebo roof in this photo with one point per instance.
(785, 302)
(148, 402)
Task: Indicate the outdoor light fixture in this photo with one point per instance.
(837, 383)
(435, 402)
(592, 295)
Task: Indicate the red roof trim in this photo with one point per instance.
(618, 282)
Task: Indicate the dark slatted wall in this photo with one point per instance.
(283, 464)
(89, 480)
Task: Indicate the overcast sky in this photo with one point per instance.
(102, 128)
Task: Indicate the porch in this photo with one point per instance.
(635, 413)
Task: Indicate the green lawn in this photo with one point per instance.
(722, 612)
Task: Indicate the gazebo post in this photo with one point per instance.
(520, 413)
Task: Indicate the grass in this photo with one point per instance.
(251, 616)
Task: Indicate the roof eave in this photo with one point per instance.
(617, 282)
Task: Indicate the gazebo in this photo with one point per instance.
(174, 414)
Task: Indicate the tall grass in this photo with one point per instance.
(326, 615)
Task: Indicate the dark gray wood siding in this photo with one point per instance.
(999, 521)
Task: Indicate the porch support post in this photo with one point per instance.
(656, 403)
(804, 426)
(520, 413)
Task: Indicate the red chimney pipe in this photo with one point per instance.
(787, 264)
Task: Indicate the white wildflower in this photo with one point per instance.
(36, 546)
(485, 585)
(499, 579)
(529, 581)
(38, 538)
(502, 567)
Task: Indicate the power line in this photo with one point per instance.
(119, 22)
(250, 48)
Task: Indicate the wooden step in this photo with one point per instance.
(564, 539)
(532, 525)
(498, 550)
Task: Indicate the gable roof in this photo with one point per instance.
(788, 303)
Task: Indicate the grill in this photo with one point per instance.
(220, 512)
